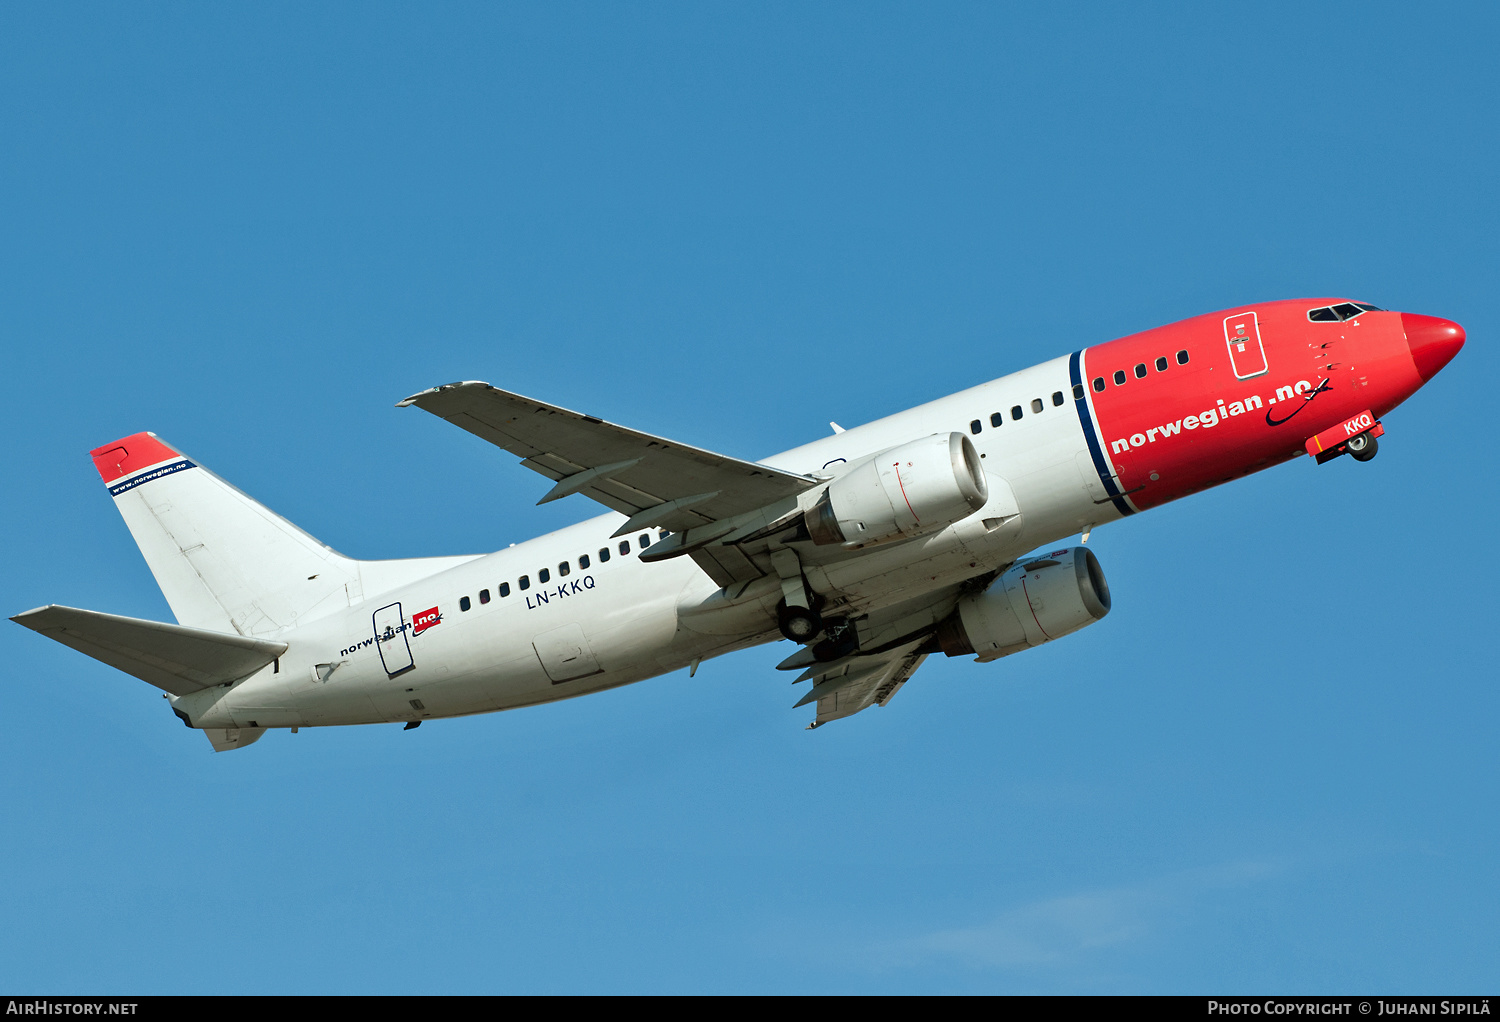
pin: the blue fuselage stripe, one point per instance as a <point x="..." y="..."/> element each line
<point x="1087" y="421"/>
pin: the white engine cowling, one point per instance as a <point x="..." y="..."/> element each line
<point x="1042" y="599"/>
<point x="917" y="488"/>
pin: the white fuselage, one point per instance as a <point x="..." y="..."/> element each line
<point x="622" y="620"/>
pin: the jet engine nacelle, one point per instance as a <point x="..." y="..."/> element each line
<point x="1042" y="599"/>
<point x="917" y="488"/>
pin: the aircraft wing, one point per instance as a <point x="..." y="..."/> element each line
<point x="845" y="687"/>
<point x="657" y="482"/>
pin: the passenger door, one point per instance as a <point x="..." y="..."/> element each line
<point x="390" y="636"/>
<point x="1246" y="352"/>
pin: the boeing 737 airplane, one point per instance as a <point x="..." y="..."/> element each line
<point x="933" y="530"/>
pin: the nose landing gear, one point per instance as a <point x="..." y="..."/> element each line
<point x="1362" y="447"/>
<point x="1356" y="437"/>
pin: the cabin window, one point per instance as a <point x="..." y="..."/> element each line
<point x="1140" y="370"/>
<point x="1015" y="411"/>
<point x="463" y="603"/>
<point x="1119" y="377"/>
<point x="504" y="590"/>
<point x="1182" y="357"/>
<point x="644" y="540"/>
<point x="525" y="582"/>
<point x="624" y="546"/>
<point x="996" y="418"/>
<point x="484" y="596"/>
<point x="603" y="554"/>
<point x="1161" y="364"/>
<point x="1057" y="398"/>
<point x="1036" y="404"/>
<point x="563" y="568"/>
<point x="975" y="427"/>
<point x="1098" y="383"/>
<point x="544" y="576"/>
<point x="583" y="562"/>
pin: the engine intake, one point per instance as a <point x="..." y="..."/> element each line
<point x="1042" y="599"/>
<point x="917" y="488"/>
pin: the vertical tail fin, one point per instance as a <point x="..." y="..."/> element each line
<point x="225" y="562"/>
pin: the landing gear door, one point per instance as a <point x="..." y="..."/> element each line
<point x="390" y="636"/>
<point x="1246" y="353"/>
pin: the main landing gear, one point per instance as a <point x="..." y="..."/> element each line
<point x="797" y="614"/>
<point x="800" y="624"/>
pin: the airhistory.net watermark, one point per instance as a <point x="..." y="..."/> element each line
<point x="43" y="1006"/>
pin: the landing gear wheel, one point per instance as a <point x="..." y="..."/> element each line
<point x="1362" y="447"/>
<point x="798" y="623"/>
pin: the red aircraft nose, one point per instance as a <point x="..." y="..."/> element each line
<point x="1433" y="342"/>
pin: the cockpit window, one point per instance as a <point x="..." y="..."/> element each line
<point x="1342" y="311"/>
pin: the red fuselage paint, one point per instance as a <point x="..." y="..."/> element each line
<point x="1259" y="382"/>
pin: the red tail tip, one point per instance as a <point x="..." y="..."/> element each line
<point x="119" y="459"/>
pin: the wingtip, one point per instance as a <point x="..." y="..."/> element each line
<point x="36" y="619"/>
<point x="441" y="387"/>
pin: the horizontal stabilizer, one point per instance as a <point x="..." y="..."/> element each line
<point x="174" y="658"/>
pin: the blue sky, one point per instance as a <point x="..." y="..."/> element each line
<point x="253" y="228"/>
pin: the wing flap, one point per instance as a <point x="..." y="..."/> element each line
<point x="726" y="565"/>
<point x="174" y="658"/>
<point x="857" y="683"/>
